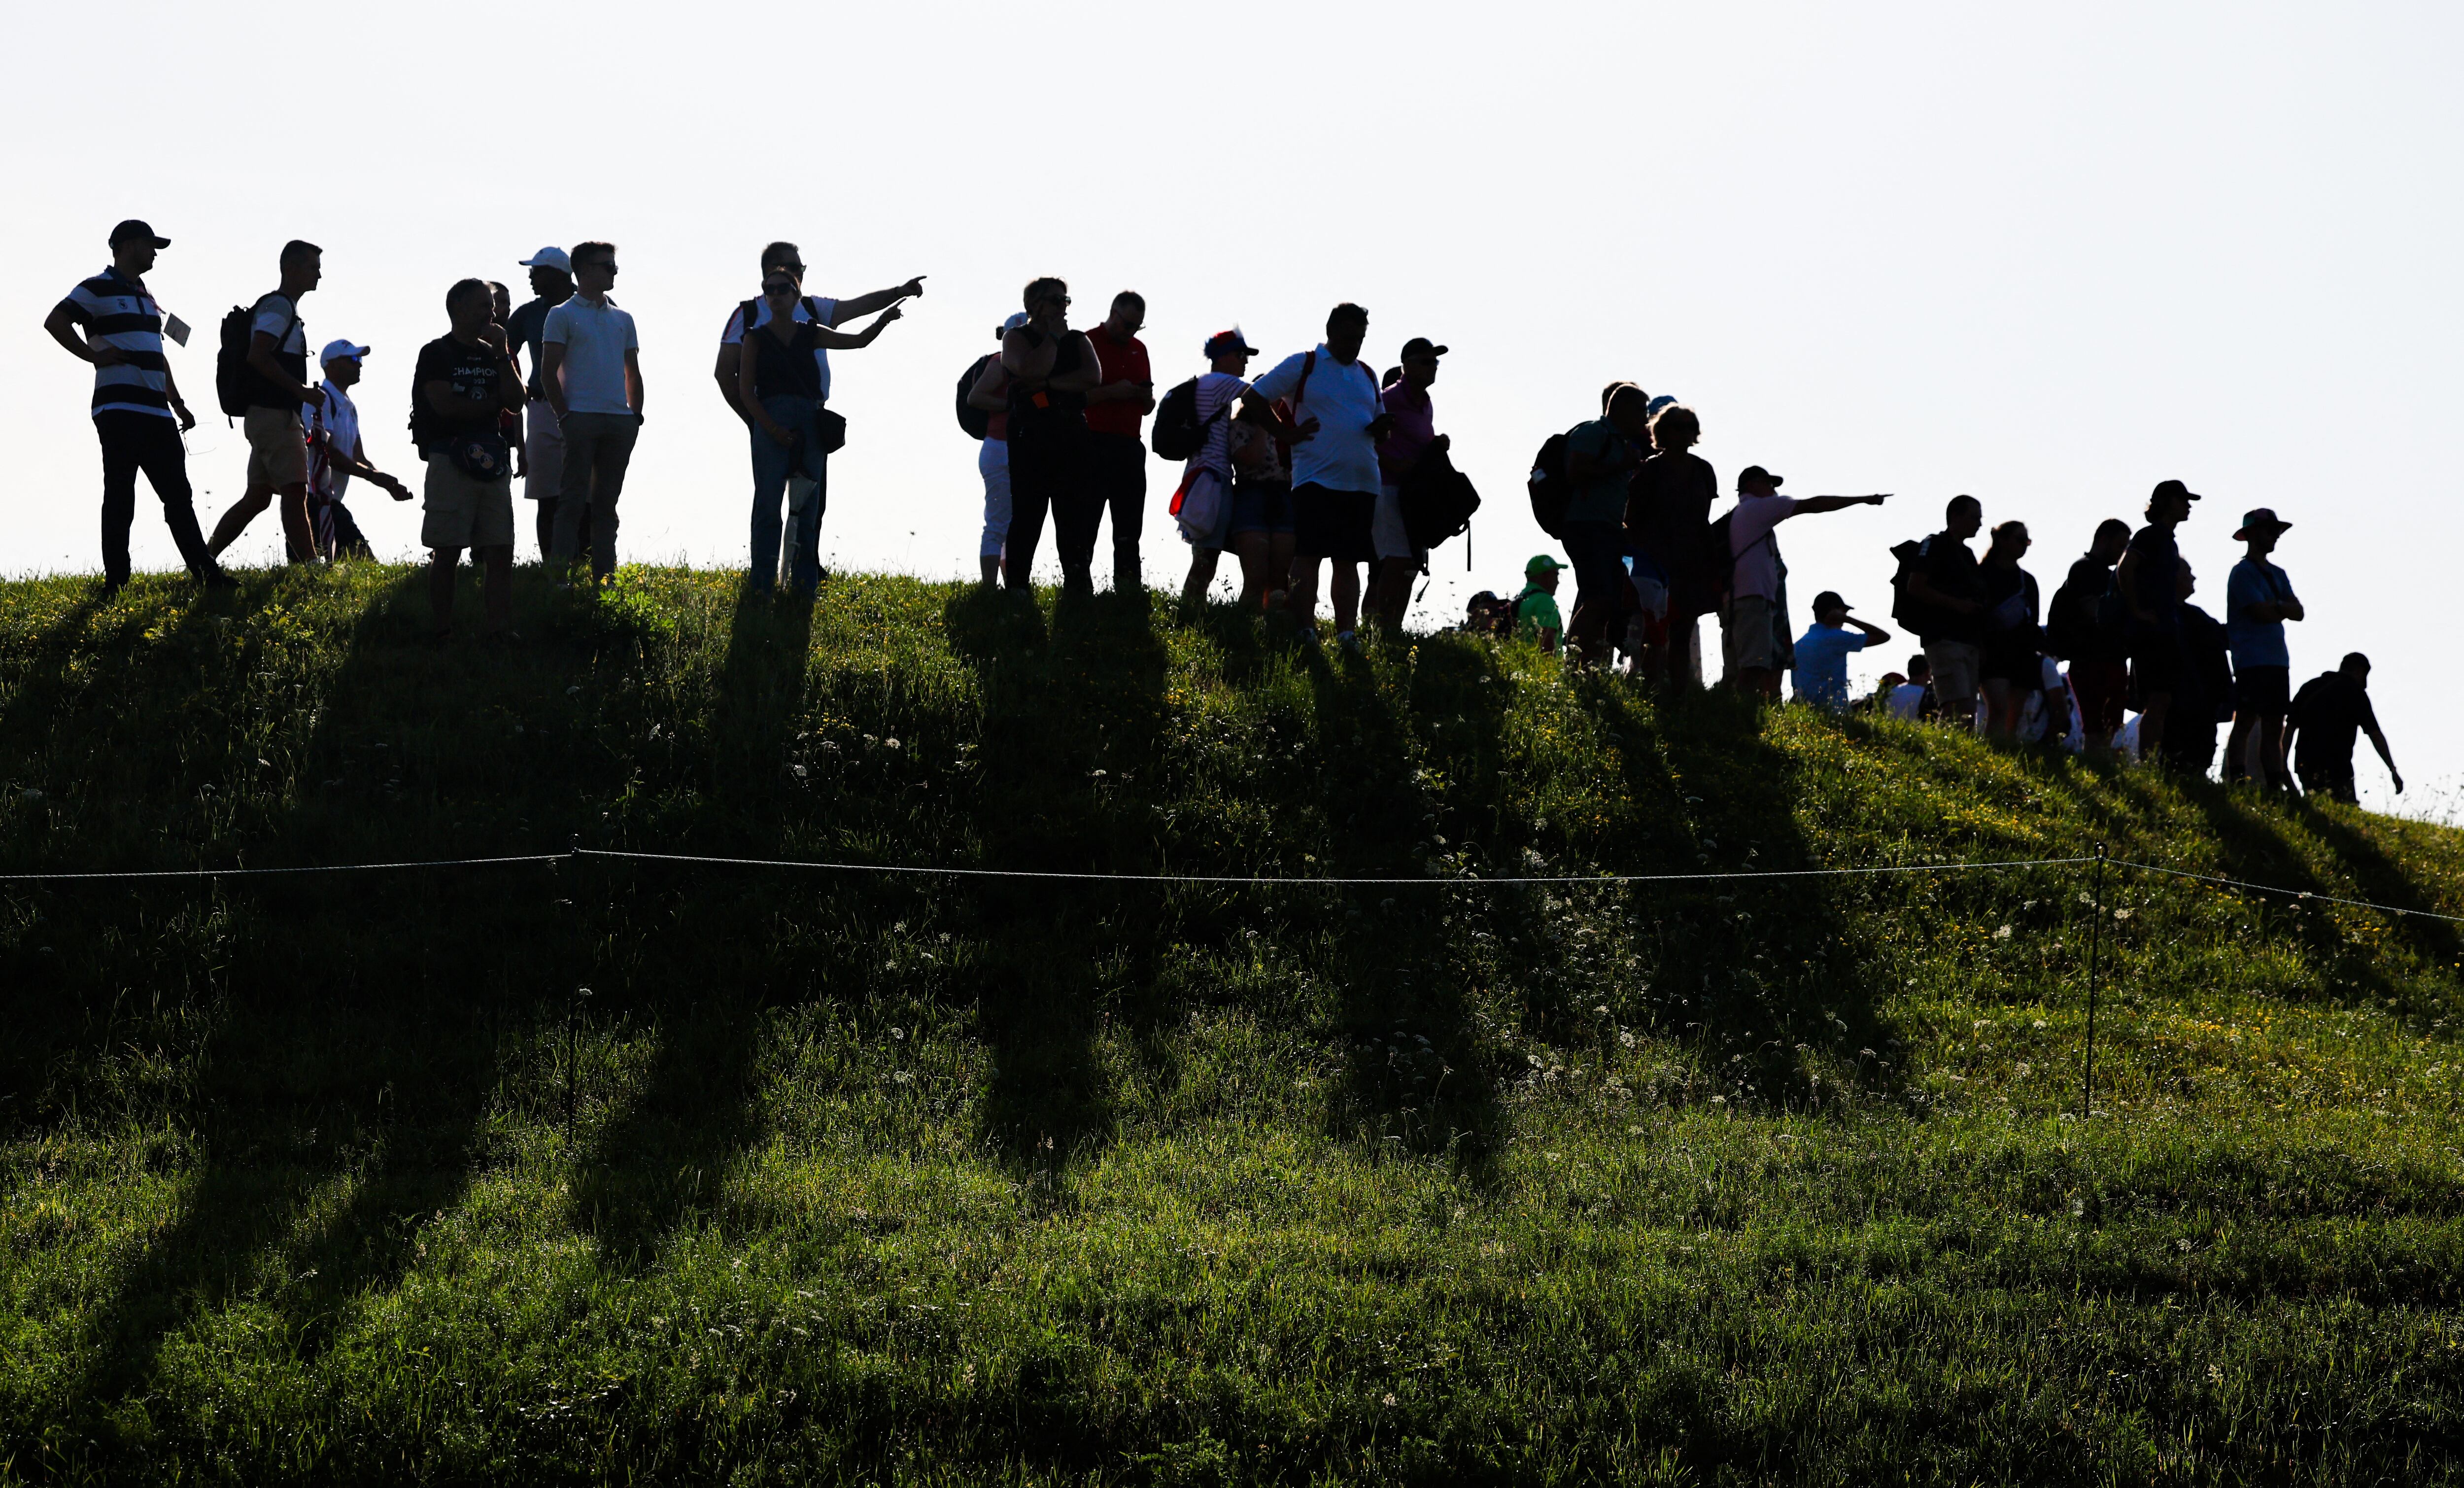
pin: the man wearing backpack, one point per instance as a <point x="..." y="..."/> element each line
<point x="2150" y="578"/>
<point x="2083" y="626"/>
<point x="1333" y="397"/>
<point x="1410" y="438"/>
<point x="1116" y="454"/>
<point x="273" y="387"/>
<point x="1753" y="627"/>
<point x="1601" y="456"/>
<point x="1941" y="598"/>
<point x="989" y="396"/>
<point x="138" y="412"/>
<point x="821" y="310"/>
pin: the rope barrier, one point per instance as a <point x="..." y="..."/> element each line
<point x="2296" y="894"/>
<point x="259" y="873"/>
<point x="1262" y="880"/>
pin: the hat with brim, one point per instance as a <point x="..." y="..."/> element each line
<point x="549" y="259"/>
<point x="1757" y="473"/>
<point x="1231" y="343"/>
<point x="2260" y="519"/>
<point x="1830" y="599"/>
<point x="1540" y="564"/>
<point x="135" y="227"/>
<point x="2166" y="488"/>
<point x="336" y="350"/>
<point x="1421" y="346"/>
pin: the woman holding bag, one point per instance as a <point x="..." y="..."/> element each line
<point x="779" y="384"/>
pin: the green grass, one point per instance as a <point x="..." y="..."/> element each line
<point x="843" y="1177"/>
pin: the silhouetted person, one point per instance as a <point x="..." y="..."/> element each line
<point x="1536" y="616"/>
<point x="1821" y="660"/>
<point x="1052" y="369"/>
<point x="1668" y="521"/>
<point x="1753" y="629"/>
<point x="990" y="396"/>
<point x="2012" y="663"/>
<point x="592" y="375"/>
<point x="2205" y="697"/>
<point x="1945" y="599"/>
<point x="2087" y="625"/>
<point x="278" y="386"/>
<point x="2319" y="730"/>
<point x="1333" y="396"/>
<point x="337" y="452"/>
<point x="2150" y="584"/>
<point x="541" y="462"/>
<point x="463" y="381"/>
<point x="2259" y="599"/>
<point x="1912" y="700"/>
<point x="1601" y="457"/>
<point x="112" y="322"/>
<point x="1411" y="437"/>
<point x="779" y="385"/>
<point x="1116" y="454"/>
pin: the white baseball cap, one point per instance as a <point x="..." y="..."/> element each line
<point x="549" y="259"/>
<point x="336" y="350"/>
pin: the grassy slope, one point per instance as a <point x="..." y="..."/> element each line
<point x="343" y="1178"/>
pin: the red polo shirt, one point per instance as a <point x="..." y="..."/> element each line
<point x="1120" y="360"/>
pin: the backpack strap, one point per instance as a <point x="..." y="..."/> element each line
<point x="748" y="310"/>
<point x="1300" y="391"/>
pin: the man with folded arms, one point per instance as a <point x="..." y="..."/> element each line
<point x="138" y="411"/>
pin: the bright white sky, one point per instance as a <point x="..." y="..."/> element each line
<point x="2046" y="255"/>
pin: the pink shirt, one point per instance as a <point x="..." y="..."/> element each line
<point x="1414" y="428"/>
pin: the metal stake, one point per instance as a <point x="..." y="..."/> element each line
<point x="2095" y="975"/>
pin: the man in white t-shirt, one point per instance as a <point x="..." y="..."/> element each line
<point x="336" y="453"/>
<point x="1334" y="402"/>
<point x="1755" y="623"/>
<point x="590" y="370"/>
<point x="275" y="376"/>
<point x="803" y="508"/>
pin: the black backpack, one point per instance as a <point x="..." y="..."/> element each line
<point x="977" y="422"/>
<point x="1178" y="431"/>
<point x="1437" y="502"/>
<point x="1906" y="609"/>
<point x="237" y="385"/>
<point x="1549" y="486"/>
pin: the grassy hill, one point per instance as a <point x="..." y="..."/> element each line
<point x="606" y="1169"/>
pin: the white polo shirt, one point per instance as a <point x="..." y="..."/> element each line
<point x="337" y="418"/>
<point x="1343" y="401"/>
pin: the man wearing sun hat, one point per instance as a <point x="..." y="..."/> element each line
<point x="2259" y="599"/>
<point x="336" y="453"/>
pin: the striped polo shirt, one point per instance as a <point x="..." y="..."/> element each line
<point x="116" y="311"/>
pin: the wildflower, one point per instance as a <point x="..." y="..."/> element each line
<point x="2002" y="933"/>
<point x="1389" y="1399"/>
<point x="2040" y="1023"/>
<point x="897" y="1032"/>
<point x="2121" y="914"/>
<point x="1626" y="1038"/>
<point x="893" y="744"/>
<point x="2024" y="1068"/>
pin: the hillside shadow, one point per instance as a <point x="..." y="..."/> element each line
<point x="1074" y="715"/>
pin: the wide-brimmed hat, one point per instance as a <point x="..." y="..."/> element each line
<point x="2260" y="519"/>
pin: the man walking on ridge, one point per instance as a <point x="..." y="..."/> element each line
<point x="2150" y="580"/>
<point x="2259" y="599"/>
<point x="1333" y="397"/>
<point x="138" y="412"/>
<point x="1116" y="456"/>
<point x="542" y="452"/>
<point x="592" y="376"/>
<point x="464" y="380"/>
<point x="276" y="374"/>
<point x="2318" y="732"/>
<point x="1945" y="599"/>
<point x="336" y="453"/>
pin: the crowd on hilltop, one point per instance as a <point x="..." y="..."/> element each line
<point x="1318" y="467"/>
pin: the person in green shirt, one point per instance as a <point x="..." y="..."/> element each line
<point x="1535" y="609"/>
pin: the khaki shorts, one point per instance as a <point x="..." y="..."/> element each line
<point x="277" y="447"/>
<point x="463" y="512"/>
<point x="1746" y="634"/>
<point x="1956" y="667"/>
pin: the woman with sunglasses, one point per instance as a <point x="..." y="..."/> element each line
<point x="1050" y="369"/>
<point x="779" y="384"/>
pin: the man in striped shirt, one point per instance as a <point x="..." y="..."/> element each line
<point x="138" y="411"/>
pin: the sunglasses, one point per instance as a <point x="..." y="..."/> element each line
<point x="779" y="287"/>
<point x="1063" y="300"/>
<point x="608" y="264"/>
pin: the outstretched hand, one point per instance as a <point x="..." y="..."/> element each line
<point x="914" y="287"/>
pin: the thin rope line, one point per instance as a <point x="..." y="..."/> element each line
<point x="2298" y="894"/>
<point x="1262" y="880"/>
<point x="255" y="873"/>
